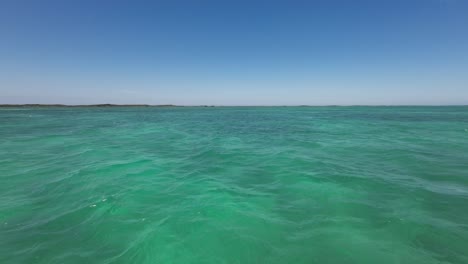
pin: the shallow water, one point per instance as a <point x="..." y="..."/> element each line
<point x="234" y="185"/>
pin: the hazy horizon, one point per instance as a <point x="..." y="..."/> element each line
<point x="236" y="105"/>
<point x="250" y="53"/>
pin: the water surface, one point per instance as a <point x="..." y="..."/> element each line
<point x="234" y="185"/>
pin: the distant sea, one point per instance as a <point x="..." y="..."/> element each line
<point x="234" y="185"/>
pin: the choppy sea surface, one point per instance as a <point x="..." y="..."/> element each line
<point x="234" y="185"/>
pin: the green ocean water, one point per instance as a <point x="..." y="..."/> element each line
<point x="234" y="185"/>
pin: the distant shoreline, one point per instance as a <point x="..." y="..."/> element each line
<point x="90" y="105"/>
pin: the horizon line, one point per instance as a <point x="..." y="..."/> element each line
<point x="203" y="105"/>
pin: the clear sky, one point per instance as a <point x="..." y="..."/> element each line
<point x="234" y="52"/>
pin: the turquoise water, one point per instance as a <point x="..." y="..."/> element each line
<point x="234" y="185"/>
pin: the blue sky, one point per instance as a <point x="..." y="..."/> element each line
<point x="234" y="52"/>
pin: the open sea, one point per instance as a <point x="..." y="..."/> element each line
<point x="234" y="185"/>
